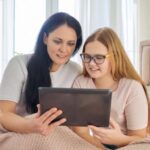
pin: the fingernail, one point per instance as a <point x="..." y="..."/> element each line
<point x="54" y="108"/>
<point x="60" y="111"/>
<point x="90" y="132"/>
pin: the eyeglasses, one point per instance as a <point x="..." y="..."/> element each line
<point x="98" y="59"/>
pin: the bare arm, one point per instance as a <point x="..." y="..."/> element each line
<point x="114" y="136"/>
<point x="133" y="135"/>
<point x="109" y="136"/>
<point x="10" y="120"/>
<point x="39" y="124"/>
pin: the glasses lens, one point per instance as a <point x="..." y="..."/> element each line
<point x="86" y="58"/>
<point x="99" y="59"/>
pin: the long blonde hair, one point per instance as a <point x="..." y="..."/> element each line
<point x="121" y="64"/>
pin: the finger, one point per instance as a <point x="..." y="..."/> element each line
<point x="98" y="130"/>
<point x="99" y="133"/>
<point x="102" y="140"/>
<point x="52" y="126"/>
<point x="98" y="137"/>
<point x="61" y="121"/>
<point x="113" y="123"/>
<point x="53" y="116"/>
<point x="57" y="123"/>
<point x="38" y="112"/>
<point x="90" y="132"/>
<point x="94" y="128"/>
<point x="46" y="115"/>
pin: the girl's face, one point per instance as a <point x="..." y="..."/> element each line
<point x="99" y="66"/>
<point x="60" y="45"/>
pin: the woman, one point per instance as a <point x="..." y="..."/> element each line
<point x="107" y="66"/>
<point x="60" y="37"/>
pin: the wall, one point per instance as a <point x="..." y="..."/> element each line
<point x="144" y="21"/>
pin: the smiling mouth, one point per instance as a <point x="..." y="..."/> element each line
<point x="94" y="69"/>
<point x="61" y="56"/>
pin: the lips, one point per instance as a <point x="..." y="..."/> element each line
<point x="60" y="56"/>
<point x="93" y="69"/>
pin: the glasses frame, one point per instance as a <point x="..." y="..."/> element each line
<point x="94" y="58"/>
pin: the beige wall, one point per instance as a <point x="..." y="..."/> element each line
<point x="144" y="19"/>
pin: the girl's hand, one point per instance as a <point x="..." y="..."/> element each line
<point x="111" y="135"/>
<point x="42" y="124"/>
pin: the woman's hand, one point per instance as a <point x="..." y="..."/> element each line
<point x="42" y="124"/>
<point x="111" y="135"/>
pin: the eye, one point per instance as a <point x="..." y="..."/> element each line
<point x="87" y="56"/>
<point x="71" y="43"/>
<point x="100" y="57"/>
<point x="57" y="41"/>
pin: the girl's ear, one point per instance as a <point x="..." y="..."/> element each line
<point x="45" y="38"/>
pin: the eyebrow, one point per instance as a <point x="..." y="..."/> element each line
<point x="62" y="39"/>
<point x="95" y="54"/>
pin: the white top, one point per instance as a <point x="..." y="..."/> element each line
<point x="129" y="105"/>
<point x="15" y="75"/>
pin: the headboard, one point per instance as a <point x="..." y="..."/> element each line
<point x="145" y="61"/>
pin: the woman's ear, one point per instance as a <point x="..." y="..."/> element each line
<point x="45" y="38"/>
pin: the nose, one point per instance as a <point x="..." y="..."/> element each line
<point x="63" y="48"/>
<point x="92" y="62"/>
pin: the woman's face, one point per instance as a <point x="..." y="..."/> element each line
<point x="60" y="45"/>
<point x="103" y="67"/>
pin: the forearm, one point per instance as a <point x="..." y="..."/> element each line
<point x="126" y="139"/>
<point x="118" y="139"/>
<point x="15" y="123"/>
<point x="132" y="136"/>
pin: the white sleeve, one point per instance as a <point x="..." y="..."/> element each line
<point x="12" y="81"/>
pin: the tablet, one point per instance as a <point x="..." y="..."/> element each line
<point x="81" y="107"/>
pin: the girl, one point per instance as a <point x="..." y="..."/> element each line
<point x="106" y="66"/>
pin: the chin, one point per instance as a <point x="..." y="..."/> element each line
<point x="94" y="76"/>
<point x="62" y="62"/>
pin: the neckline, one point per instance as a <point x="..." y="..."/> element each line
<point x="113" y="91"/>
<point x="56" y="72"/>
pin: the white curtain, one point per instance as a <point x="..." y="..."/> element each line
<point x="129" y="18"/>
<point x="1" y="14"/>
<point x="7" y="33"/>
<point x="124" y="22"/>
<point x="92" y="14"/>
<point x="120" y="15"/>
